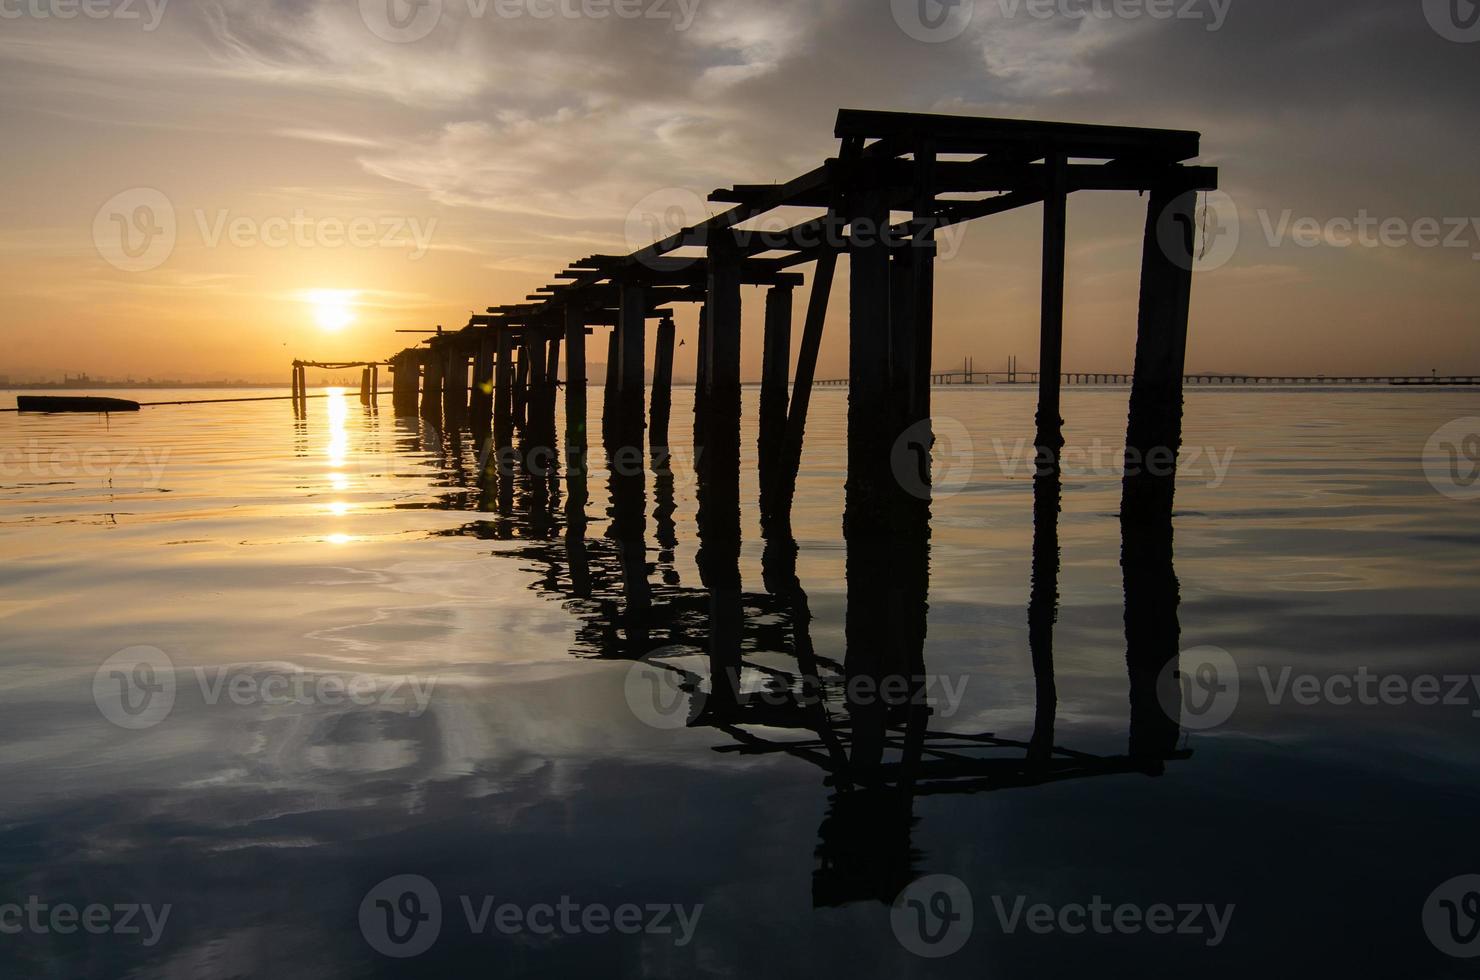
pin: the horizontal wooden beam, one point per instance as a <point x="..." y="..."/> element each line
<point x="970" y="134"/>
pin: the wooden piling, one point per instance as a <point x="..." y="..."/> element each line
<point x="503" y="392"/>
<point x="576" y="439"/>
<point x="806" y="371"/>
<point x="1050" y="422"/>
<point x="431" y="389"/>
<point x="701" y="387"/>
<point x="521" y="384"/>
<point x="775" y="366"/>
<point x="722" y="377"/>
<point x="454" y="388"/>
<point x="297" y="391"/>
<point x="662" y="403"/>
<point x="631" y="359"/>
<point x="609" y="396"/>
<point x="365" y="387"/>
<point x="869" y="413"/>
<point x="1154" y="430"/>
<point x="480" y="396"/>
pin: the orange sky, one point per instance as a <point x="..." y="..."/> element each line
<point x="280" y="168"/>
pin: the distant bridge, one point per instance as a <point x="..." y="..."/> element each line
<point x="962" y="377"/>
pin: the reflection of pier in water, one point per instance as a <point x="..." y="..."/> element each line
<point x="877" y="753"/>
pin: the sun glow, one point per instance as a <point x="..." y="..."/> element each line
<point x="333" y="309"/>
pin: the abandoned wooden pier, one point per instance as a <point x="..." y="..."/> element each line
<point x="499" y="373"/>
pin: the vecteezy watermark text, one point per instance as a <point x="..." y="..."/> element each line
<point x="38" y="918"/>
<point x="148" y="12"/>
<point x="1105" y="919"/>
<point x="405" y="21"/>
<point x="137" y="688"/>
<point x="138" y="229"/>
<point x="63" y="462"/>
<point x="664" y="696"/>
<point x="938" y="21"/>
<point x="1365" y="230"/>
<point x="402" y="917"/>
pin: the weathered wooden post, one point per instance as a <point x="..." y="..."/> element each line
<point x="503" y="395"/>
<point x="375" y="386"/>
<point x="1050" y="422"/>
<point x="1154" y="431"/>
<point x="365" y="387"/>
<point x="722" y="377"/>
<point x="662" y="406"/>
<point x="551" y="437"/>
<point x="431" y="389"/>
<point x="631" y="373"/>
<point x="480" y="396"/>
<point x="521" y="382"/>
<point x="701" y="387"/>
<point x="454" y="387"/>
<point x="609" y="396"/>
<point x="576" y="439"/>
<point x="869" y="432"/>
<point x="801" y="394"/>
<point x="297" y="391"/>
<point x="775" y="366"/>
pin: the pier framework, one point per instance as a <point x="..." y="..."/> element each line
<point x="498" y="374"/>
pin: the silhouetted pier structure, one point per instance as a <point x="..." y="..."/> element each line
<point x="498" y="378"/>
<point x="369" y="380"/>
<point x="499" y="374"/>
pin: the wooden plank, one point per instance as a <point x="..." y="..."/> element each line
<point x="949" y="133"/>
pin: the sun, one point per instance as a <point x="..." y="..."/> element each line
<point x="333" y="309"/>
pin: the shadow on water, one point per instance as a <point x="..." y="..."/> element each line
<point x="864" y="720"/>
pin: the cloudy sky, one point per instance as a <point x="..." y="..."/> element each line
<point x="206" y="188"/>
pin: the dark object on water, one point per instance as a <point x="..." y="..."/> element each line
<point x="62" y="403"/>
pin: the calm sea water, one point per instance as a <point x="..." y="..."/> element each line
<point x="375" y="674"/>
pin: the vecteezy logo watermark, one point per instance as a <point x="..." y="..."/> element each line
<point x="137" y="688"/>
<point x="665" y="696"/>
<point x="1366" y="230"/>
<point x="135" y="230"/>
<point x="138" y="230"/>
<point x="1451" y="460"/>
<point x="62" y="462"/>
<point x="933" y="917"/>
<point x="937" y="21"/>
<point x="404" y="21"/>
<point x="1451" y="917"/>
<point x="1102" y="918"/>
<point x="933" y="21"/>
<point x="402" y="917"/>
<point x="1215" y="231"/>
<point x="302" y="231"/>
<point x="663" y="214"/>
<point x="1199" y="689"/>
<point x="1454" y="20"/>
<point x="933" y="458"/>
<point x="662" y="696"/>
<point x="1370" y="689"/>
<point x="40" y="918"/>
<point x="1110" y="460"/>
<point x="151" y="14"/>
